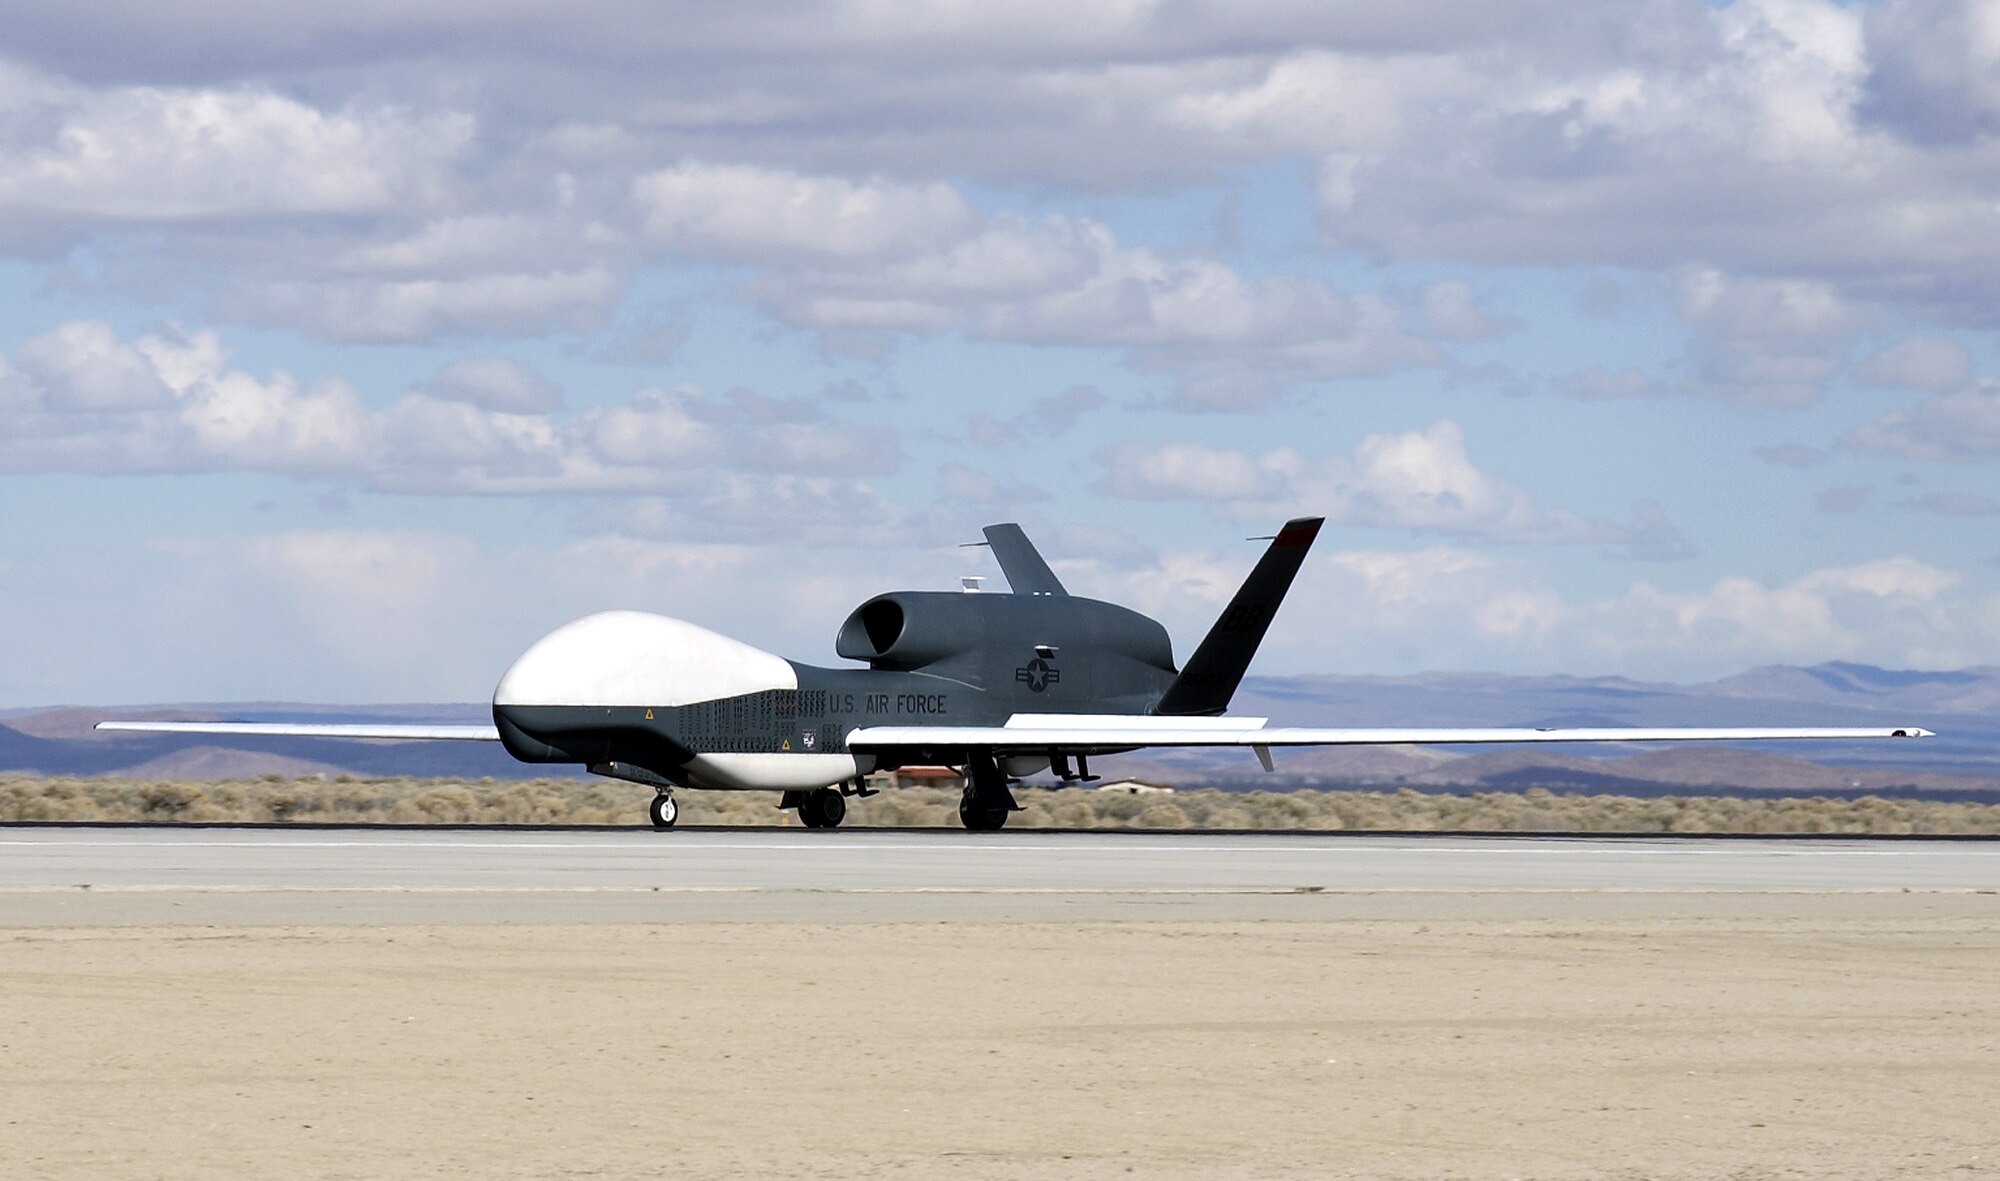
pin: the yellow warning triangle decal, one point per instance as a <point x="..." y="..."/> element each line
<point x="649" y="715"/>
<point x="787" y="746"/>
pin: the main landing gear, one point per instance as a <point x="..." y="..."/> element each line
<point x="986" y="802"/>
<point x="663" y="810"/>
<point x="824" y="808"/>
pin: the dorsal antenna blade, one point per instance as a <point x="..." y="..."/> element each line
<point x="1026" y="573"/>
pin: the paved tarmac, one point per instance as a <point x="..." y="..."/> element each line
<point x="947" y="861"/>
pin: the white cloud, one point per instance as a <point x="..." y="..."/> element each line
<point x="1791" y="139"/>
<point x="1194" y="471"/>
<point x="1449" y="607"/>
<point x="162" y="154"/>
<point x="1762" y="342"/>
<point x="84" y="366"/>
<point x="1897" y="611"/>
<point x="1932" y="363"/>
<point x="518" y="304"/>
<point x="1960" y="426"/>
<point x="751" y="212"/>
<point x="1738" y="137"/>
<point x="209" y="417"/>
<point x="1935" y="73"/>
<point x="1402" y="589"/>
<point x="1421" y="481"/>
<point x="1350" y="610"/>
<point x="1454" y="312"/>
<point x="1316" y="100"/>
<point x="495" y="383"/>
<point x="880" y="256"/>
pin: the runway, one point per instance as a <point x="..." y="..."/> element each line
<point x="945" y="861"/>
<point x="523" y="1004"/>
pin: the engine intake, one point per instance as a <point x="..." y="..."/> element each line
<point x="909" y="630"/>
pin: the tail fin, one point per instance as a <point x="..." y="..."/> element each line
<point x="1210" y="677"/>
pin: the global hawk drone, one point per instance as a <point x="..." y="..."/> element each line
<point x="1001" y="685"/>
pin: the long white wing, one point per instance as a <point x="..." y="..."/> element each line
<point x="475" y="733"/>
<point x="1072" y="732"/>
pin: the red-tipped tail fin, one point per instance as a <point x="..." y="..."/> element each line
<point x="1210" y="677"/>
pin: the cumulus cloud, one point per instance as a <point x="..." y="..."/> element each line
<point x="886" y="257"/>
<point x="153" y="154"/>
<point x="1739" y="136"/>
<point x="86" y="401"/>
<point x="1420" y="481"/>
<point x="1400" y="589"/>
<point x="84" y="366"/>
<point x="1376" y="610"/>
<point x="495" y="383"/>
<point x="1935" y="74"/>
<point x="519" y="304"/>
<point x="1931" y="363"/>
<point x="1453" y="311"/>
<point x="1893" y="610"/>
<point x="1762" y="342"/>
<point x="751" y="212"/>
<point x="1391" y="610"/>
<point x="1790" y="139"/>
<point x="1762" y="141"/>
<point x="1961" y="426"/>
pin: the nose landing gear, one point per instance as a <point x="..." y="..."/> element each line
<point x="663" y="810"/>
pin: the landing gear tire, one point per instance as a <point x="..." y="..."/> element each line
<point x="979" y="819"/>
<point x="824" y="808"/>
<point x="664" y="811"/>
<point x="986" y="801"/>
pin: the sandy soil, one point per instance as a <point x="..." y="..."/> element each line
<point x="1431" y="1036"/>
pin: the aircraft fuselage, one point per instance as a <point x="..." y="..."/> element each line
<point x="641" y="695"/>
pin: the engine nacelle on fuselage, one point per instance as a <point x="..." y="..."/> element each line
<point x="687" y="704"/>
<point x="1107" y="656"/>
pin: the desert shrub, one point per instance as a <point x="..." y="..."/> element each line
<point x="169" y="801"/>
<point x="608" y="802"/>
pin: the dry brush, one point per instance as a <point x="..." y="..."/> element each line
<point x="351" y="800"/>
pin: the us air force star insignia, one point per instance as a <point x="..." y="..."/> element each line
<point x="806" y="739"/>
<point x="1038" y="675"/>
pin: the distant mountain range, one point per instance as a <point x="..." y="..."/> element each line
<point x="1963" y="761"/>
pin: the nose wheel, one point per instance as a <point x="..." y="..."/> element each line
<point x="663" y="810"/>
<point x="824" y="808"/>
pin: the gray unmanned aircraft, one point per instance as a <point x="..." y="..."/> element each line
<point x="1001" y="685"/>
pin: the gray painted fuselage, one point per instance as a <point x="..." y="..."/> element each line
<point x="933" y="659"/>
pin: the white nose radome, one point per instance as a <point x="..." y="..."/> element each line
<point x="635" y="658"/>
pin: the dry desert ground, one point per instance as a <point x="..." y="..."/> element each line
<point x="1580" y="1036"/>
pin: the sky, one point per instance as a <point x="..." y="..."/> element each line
<point x="347" y="348"/>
